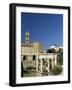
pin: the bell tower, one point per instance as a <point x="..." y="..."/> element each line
<point x="27" y="38"/>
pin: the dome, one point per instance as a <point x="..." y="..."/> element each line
<point x="35" y="43"/>
<point x="52" y="46"/>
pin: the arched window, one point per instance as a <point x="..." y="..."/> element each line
<point x="34" y="57"/>
<point x="43" y="61"/>
<point x="27" y="35"/>
<point x="50" y="64"/>
<point x="24" y="57"/>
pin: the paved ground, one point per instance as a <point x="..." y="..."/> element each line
<point x="35" y="74"/>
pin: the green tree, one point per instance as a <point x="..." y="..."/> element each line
<point x="51" y="50"/>
<point x="57" y="70"/>
<point x="60" y="57"/>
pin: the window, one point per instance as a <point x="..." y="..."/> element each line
<point x="34" y="57"/>
<point x="50" y="64"/>
<point x="27" y="35"/>
<point x="24" y="57"/>
<point x="43" y="61"/>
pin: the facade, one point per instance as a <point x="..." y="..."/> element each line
<point x="34" y="56"/>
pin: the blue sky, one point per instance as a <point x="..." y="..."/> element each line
<point x="44" y="28"/>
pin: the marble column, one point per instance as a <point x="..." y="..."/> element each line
<point x="48" y="65"/>
<point x="41" y="65"/>
<point x="55" y="59"/>
<point x="52" y="60"/>
<point x="21" y="58"/>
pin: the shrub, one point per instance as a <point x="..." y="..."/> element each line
<point x="57" y="70"/>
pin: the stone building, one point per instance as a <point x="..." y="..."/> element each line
<point x="33" y="55"/>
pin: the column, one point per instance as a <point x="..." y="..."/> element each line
<point x="55" y="59"/>
<point x="48" y="65"/>
<point x="21" y="58"/>
<point x="52" y="60"/>
<point x="22" y="62"/>
<point x="41" y="65"/>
